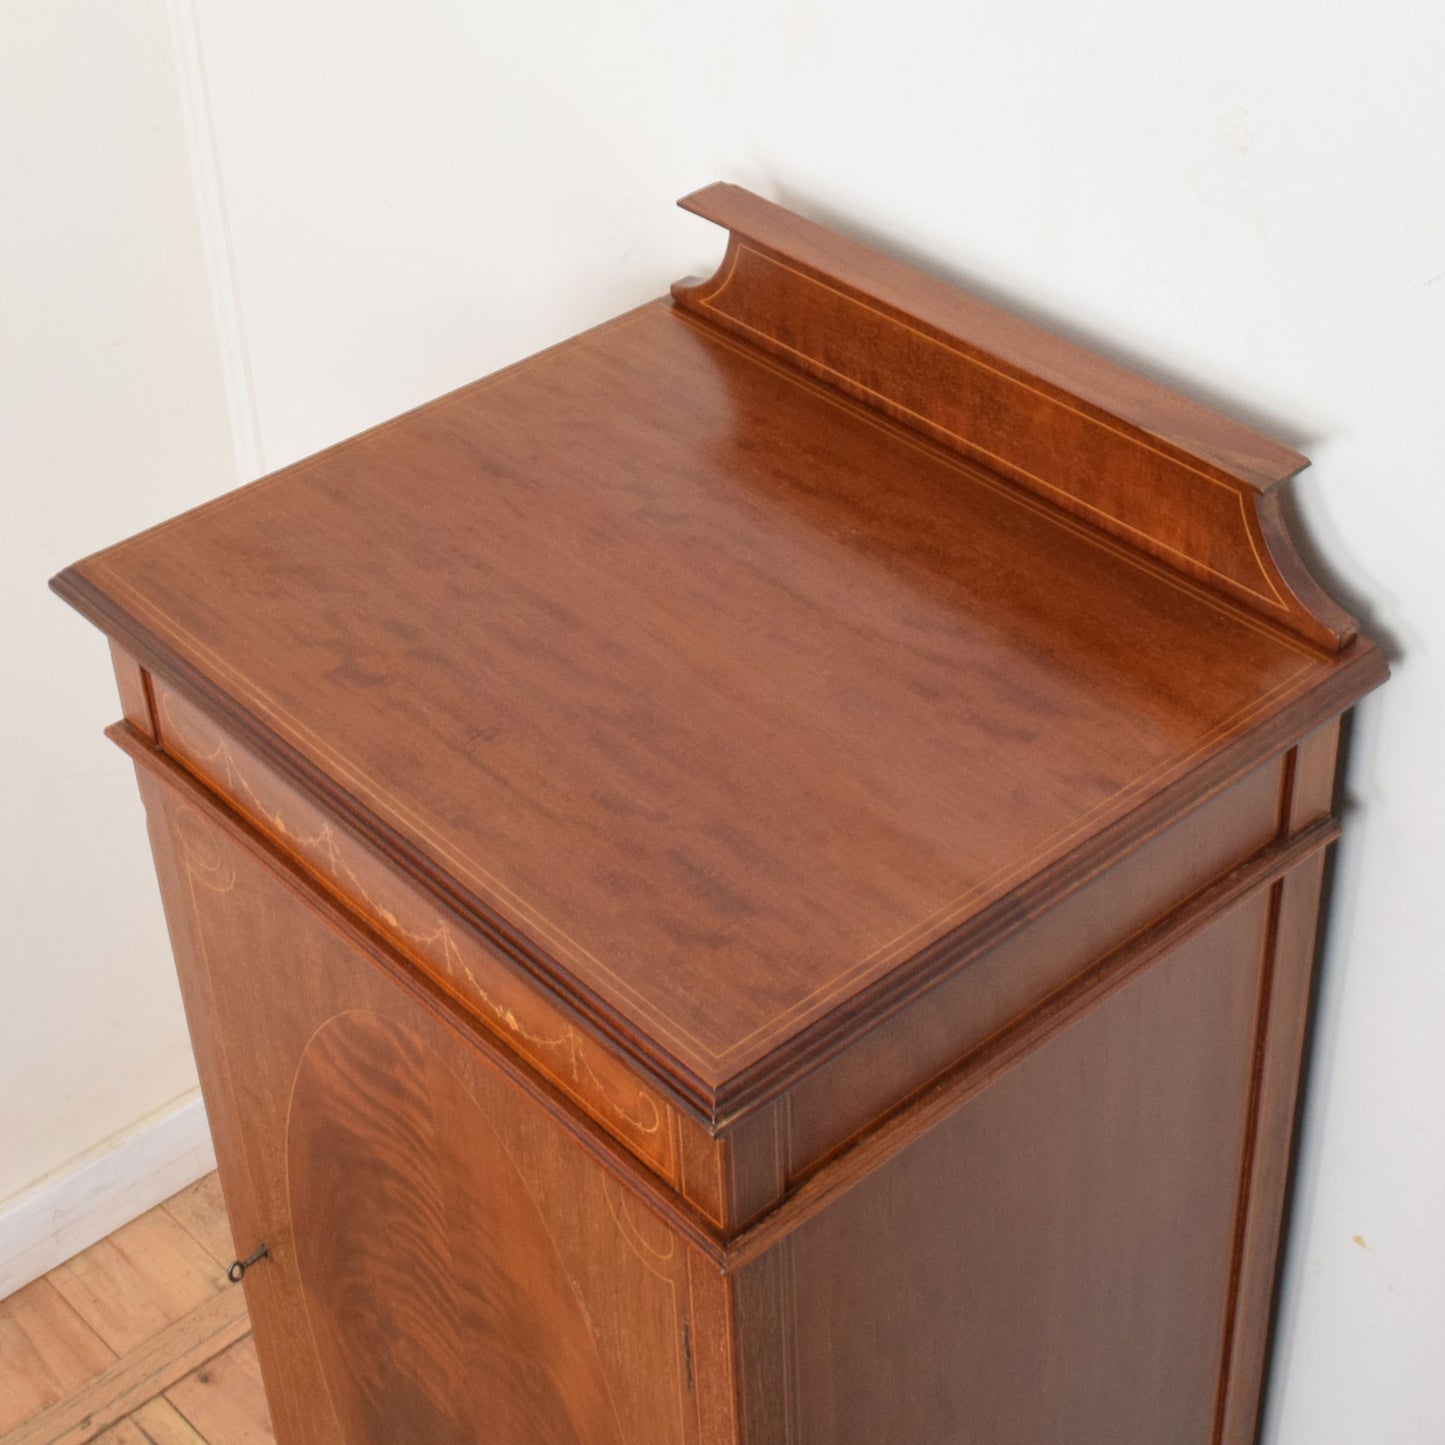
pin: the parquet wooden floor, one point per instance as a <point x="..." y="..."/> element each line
<point x="140" y="1340"/>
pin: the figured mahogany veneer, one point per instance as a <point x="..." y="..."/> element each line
<point x="1184" y="484"/>
<point x="751" y="878"/>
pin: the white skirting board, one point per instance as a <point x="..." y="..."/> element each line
<point x="97" y="1193"/>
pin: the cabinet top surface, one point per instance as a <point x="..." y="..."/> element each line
<point x="724" y="695"/>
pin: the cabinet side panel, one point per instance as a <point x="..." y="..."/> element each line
<point x="133" y="684"/>
<point x="1050" y="1264"/>
<point x="1313" y="791"/>
<point x="442" y="1252"/>
<point x="1270" y="1151"/>
<point x="895" y="1059"/>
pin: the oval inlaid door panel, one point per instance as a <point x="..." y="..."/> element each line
<point x="441" y="1308"/>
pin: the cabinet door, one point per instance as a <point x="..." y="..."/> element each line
<point x="448" y="1262"/>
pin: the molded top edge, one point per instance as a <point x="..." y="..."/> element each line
<point x="1207" y="435"/>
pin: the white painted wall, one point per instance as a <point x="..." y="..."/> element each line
<point x="111" y="417"/>
<point x="1242" y="198"/>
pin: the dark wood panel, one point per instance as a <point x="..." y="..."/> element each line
<point x="731" y="1178"/>
<point x="1269" y="1151"/>
<point x="1044" y="953"/>
<point x="441" y="1308"/>
<point x="435" y="1219"/>
<point x="1048" y="360"/>
<point x="1313" y="790"/>
<point x="134" y="688"/>
<point x="396" y="969"/>
<point x="1050" y="1263"/>
<point x="1184" y="484"/>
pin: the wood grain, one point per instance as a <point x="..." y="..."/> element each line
<point x="498" y="993"/>
<point x="224" y="1403"/>
<point x="145" y="1276"/>
<point x="440" y="1249"/>
<point x="133" y="684"/>
<point x="978" y="1068"/>
<point x="138" y="1376"/>
<point x="1065" y="1234"/>
<point x="1184" y="484"/>
<point x="138" y="1292"/>
<point x="200" y="1209"/>
<point x="1285" y="1013"/>
<point x="165" y="1425"/>
<point x="872" y="688"/>
<point x="126" y="1432"/>
<point x="1007" y="975"/>
<point x="440" y="1305"/>
<point x="1049" y="360"/>
<point x="749" y="880"/>
<point x="46" y="1351"/>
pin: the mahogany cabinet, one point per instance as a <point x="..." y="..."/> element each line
<point x="752" y="878"/>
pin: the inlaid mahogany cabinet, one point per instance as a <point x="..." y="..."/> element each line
<point x="752" y="878"/>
